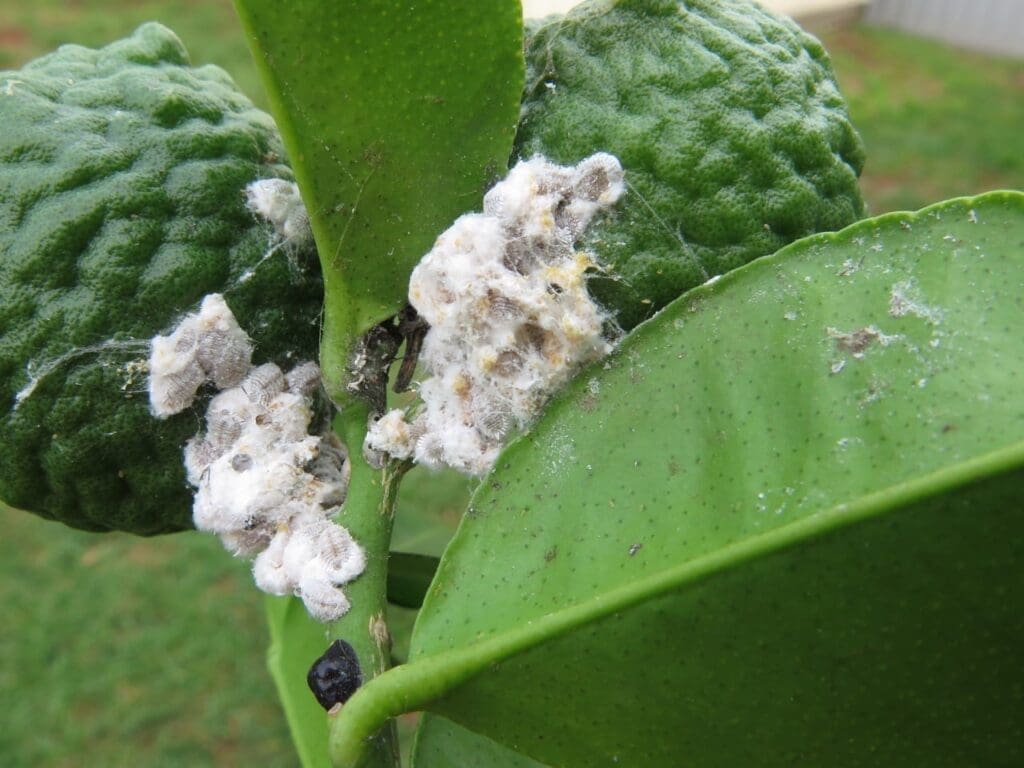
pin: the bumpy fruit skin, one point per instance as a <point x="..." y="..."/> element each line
<point x="122" y="173"/>
<point x="728" y="122"/>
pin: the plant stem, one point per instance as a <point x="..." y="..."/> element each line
<point x="369" y="515"/>
<point x="338" y="335"/>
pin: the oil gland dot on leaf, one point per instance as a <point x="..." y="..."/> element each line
<point x="336" y="675"/>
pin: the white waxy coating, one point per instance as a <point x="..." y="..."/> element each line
<point x="275" y="483"/>
<point x="504" y="292"/>
<point x="265" y="485"/>
<point x="205" y="346"/>
<point x="279" y="202"/>
<point x="268" y="567"/>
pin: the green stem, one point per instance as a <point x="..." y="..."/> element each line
<point x="339" y="334"/>
<point x="369" y="514"/>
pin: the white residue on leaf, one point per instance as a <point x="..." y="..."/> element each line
<point x="559" y="453"/>
<point x="264" y="484"/>
<point x="850" y="266"/>
<point x="858" y="341"/>
<point x="905" y="299"/>
<point x="504" y="292"/>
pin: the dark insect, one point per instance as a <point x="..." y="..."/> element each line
<point x="335" y="676"/>
<point x="414" y="330"/>
<point x="370" y="361"/>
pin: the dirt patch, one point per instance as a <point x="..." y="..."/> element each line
<point x="13" y="37"/>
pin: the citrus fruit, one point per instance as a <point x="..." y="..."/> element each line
<point x="122" y="178"/>
<point x="726" y="118"/>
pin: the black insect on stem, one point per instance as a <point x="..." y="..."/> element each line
<point x="414" y="330"/>
<point x="370" y="362"/>
<point x="336" y="675"/>
<point x="371" y="359"/>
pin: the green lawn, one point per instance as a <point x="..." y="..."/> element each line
<point x="937" y="122"/>
<point x="118" y="651"/>
<point x="122" y="651"/>
<point x="150" y="652"/>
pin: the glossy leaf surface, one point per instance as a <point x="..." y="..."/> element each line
<point x="778" y="526"/>
<point x="440" y="743"/>
<point x="429" y="508"/>
<point x="409" y="577"/>
<point x="396" y="117"/>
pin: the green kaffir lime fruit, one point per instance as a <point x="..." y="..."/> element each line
<point x="728" y="123"/>
<point x="122" y="177"/>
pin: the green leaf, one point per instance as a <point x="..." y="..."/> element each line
<point x="396" y="118"/>
<point x="428" y="511"/>
<point x="409" y="577"/>
<point x="779" y="526"/>
<point x="296" y="641"/>
<point x="440" y="743"/>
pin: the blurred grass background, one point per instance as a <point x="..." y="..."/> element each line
<point x="123" y="651"/>
<point x="120" y="651"/>
<point x="938" y="122"/>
